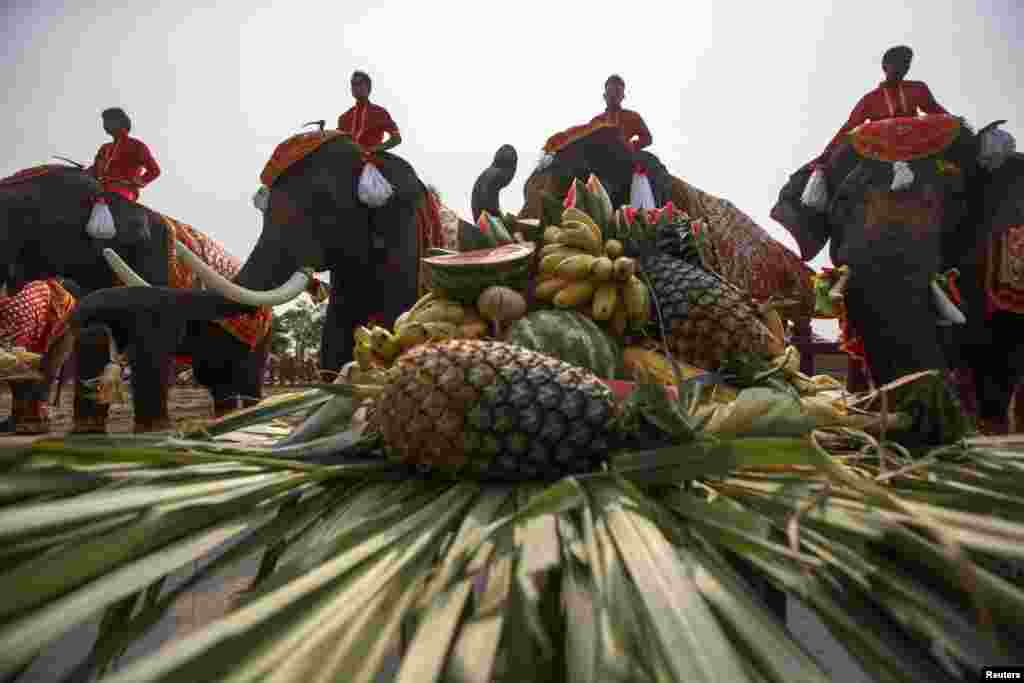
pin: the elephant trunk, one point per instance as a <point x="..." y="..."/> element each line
<point x="492" y="181"/>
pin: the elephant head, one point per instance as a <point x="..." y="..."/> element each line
<point x="896" y="240"/>
<point x="313" y="221"/>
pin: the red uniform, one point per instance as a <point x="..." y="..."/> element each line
<point x="886" y="101"/>
<point x="629" y="122"/>
<point x="367" y="123"/>
<point x="125" y="159"/>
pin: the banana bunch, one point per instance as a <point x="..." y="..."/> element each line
<point x="579" y="269"/>
<point x="432" y="318"/>
<point x="18" y="357"/>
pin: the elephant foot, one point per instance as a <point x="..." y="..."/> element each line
<point x="30" y="416"/>
<point x="145" y="425"/>
<point x="7" y="426"/>
<point x="227" y="406"/>
<point x="994" y="426"/>
<point x="91" y="424"/>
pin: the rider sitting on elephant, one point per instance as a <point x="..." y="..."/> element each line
<point x="123" y="167"/>
<point x="366" y="122"/>
<point x="894" y="97"/>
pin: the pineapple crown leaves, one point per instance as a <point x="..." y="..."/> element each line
<point x="650" y="402"/>
<point x="745" y="370"/>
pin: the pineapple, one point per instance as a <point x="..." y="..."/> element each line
<point x="494" y="410"/>
<point x="706" y="318"/>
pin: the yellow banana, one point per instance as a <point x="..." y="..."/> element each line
<point x="602" y="269"/>
<point x="574" y="214"/>
<point x="623" y="268"/>
<point x="613" y="249"/>
<point x="605" y="299"/>
<point x="439" y="311"/>
<point x="635" y="296"/>
<point x="364" y="356"/>
<point x="549" y="264"/>
<point x="583" y="239"/>
<point x="551" y="248"/>
<point x="383" y="343"/>
<point x="441" y="330"/>
<point x="575" y="294"/>
<point x="411" y="334"/>
<point x="362" y="335"/>
<point x="590" y="227"/>
<point x="552" y="234"/>
<point x="547" y="289"/>
<point x="619" y="319"/>
<point x="575" y="267"/>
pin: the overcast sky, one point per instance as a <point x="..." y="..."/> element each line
<point x="737" y="93"/>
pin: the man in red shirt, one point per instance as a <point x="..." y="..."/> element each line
<point x="125" y="165"/>
<point x="634" y="130"/>
<point x="366" y="122"/>
<point x="892" y="98"/>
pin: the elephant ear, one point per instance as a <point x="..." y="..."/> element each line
<point x="809" y="228"/>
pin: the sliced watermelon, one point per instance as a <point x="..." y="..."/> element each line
<point x="465" y="275"/>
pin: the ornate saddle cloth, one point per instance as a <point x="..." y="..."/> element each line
<point x="26" y="174"/>
<point x="570" y="135"/>
<point x="248" y="328"/>
<point x="905" y="138"/>
<point x="294" y="149"/>
<point x="1004" y="271"/>
<point x="36" y="315"/>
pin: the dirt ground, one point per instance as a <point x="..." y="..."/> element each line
<point x="188" y="404"/>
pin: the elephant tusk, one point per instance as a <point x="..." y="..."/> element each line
<point x="838" y="291"/>
<point x="123" y="270"/>
<point x="902" y="176"/>
<point x="295" y="285"/>
<point x="947" y="309"/>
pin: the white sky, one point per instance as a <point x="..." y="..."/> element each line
<point x="737" y="94"/>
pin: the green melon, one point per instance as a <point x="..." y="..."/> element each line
<point x="464" y="275"/>
<point x="571" y="337"/>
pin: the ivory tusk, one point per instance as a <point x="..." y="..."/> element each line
<point x="295" y="285"/>
<point x="123" y="270"/>
<point x="947" y="309"/>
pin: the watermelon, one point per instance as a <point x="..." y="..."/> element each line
<point x="464" y="275"/>
<point x="493" y="225"/>
<point x="571" y="337"/>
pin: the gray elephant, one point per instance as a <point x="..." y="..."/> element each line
<point x="896" y="239"/>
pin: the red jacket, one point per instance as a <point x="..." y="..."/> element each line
<point x="885" y="102"/>
<point x="125" y="159"/>
<point x="367" y="123"/>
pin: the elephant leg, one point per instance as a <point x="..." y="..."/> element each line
<point x="227" y="367"/>
<point x="150" y="356"/>
<point x="29" y="409"/>
<point x="92" y="355"/>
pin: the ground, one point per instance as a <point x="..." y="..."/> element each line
<point x="187" y="404"/>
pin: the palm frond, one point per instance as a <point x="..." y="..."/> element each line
<point x="640" y="572"/>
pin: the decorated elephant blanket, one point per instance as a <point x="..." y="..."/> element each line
<point x="905" y="138"/>
<point x="26" y="174"/>
<point x="743" y="252"/>
<point x="1004" y="271"/>
<point x="36" y="315"/>
<point x="294" y="149"/>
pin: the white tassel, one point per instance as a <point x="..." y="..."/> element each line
<point x="996" y="147"/>
<point x="838" y="291"/>
<point x="546" y="159"/>
<point x="101" y="222"/>
<point x="640" y="194"/>
<point x="902" y="176"/>
<point x="374" y="189"/>
<point x="947" y="309"/>
<point x="261" y="200"/>
<point x="815" y="195"/>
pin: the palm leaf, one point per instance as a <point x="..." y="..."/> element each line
<point x="637" y="573"/>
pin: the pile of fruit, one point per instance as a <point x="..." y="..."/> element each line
<point x="513" y="366"/>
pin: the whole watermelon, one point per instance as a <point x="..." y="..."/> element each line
<point x="571" y="337"/>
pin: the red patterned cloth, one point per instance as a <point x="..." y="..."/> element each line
<point x="293" y="149"/>
<point x="742" y="252"/>
<point x="629" y="123"/>
<point x="36" y="315"/>
<point x="887" y="101"/>
<point x="125" y="165"/>
<point x="1004" y="271"/>
<point x="30" y="173"/>
<point x="431" y="232"/>
<point x="367" y="123"/>
<point x="905" y="138"/>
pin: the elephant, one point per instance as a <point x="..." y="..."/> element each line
<point x="737" y="249"/>
<point x="895" y="240"/>
<point x="313" y="222"/>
